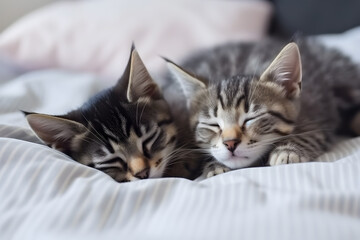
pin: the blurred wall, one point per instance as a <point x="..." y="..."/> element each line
<point x="11" y="10"/>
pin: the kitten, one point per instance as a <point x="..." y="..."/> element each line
<point x="126" y="131"/>
<point x="247" y="107"/>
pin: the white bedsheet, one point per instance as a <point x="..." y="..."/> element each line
<point x="46" y="195"/>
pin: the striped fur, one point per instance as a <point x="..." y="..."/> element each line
<point x="126" y="131"/>
<point x="250" y="111"/>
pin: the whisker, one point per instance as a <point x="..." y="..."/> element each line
<point x="257" y="83"/>
<point x="136" y="112"/>
<point x="89" y="140"/>
<point x="290" y="135"/>
<point x="89" y="123"/>
<point x="142" y="111"/>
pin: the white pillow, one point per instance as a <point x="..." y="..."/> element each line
<point x="96" y="35"/>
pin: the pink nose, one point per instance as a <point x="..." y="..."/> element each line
<point x="231" y="144"/>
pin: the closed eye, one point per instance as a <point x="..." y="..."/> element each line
<point x="205" y="133"/>
<point x="112" y="162"/>
<point x="214" y="125"/>
<point x="207" y="130"/>
<point x="277" y="115"/>
<point x="253" y="118"/>
<point x="210" y="124"/>
<point x="248" y="121"/>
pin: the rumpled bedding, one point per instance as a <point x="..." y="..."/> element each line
<point x="46" y="195"/>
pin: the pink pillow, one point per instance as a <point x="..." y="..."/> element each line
<point x="96" y="36"/>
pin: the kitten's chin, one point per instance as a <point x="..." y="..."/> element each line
<point x="235" y="162"/>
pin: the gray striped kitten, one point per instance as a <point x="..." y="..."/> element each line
<point x="255" y="104"/>
<point x="126" y="131"/>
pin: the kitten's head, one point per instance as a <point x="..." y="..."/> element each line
<point x="126" y="131"/>
<point x="238" y="119"/>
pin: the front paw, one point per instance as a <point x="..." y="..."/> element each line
<point x="214" y="168"/>
<point x="285" y="155"/>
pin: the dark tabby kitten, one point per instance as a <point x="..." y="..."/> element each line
<point x="126" y="131"/>
<point x="246" y="104"/>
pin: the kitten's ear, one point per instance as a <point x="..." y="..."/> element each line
<point x="140" y="82"/>
<point x="136" y="81"/>
<point x="189" y="83"/>
<point x="55" y="131"/>
<point x="285" y="70"/>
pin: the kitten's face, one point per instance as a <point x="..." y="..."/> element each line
<point x="237" y="120"/>
<point x="129" y="142"/>
<point x="238" y="127"/>
<point x="125" y="131"/>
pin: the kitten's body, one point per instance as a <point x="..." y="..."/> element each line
<point x="329" y="95"/>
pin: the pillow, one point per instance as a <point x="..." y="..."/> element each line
<point x="96" y="35"/>
<point x="347" y="43"/>
<point x="315" y="17"/>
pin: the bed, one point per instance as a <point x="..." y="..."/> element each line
<point x="44" y="194"/>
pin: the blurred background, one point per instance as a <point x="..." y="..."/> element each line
<point x="314" y="16"/>
<point x="11" y="10"/>
<point x="307" y="16"/>
<point x="93" y="36"/>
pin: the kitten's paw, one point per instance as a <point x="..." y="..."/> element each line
<point x="285" y="155"/>
<point x="215" y="168"/>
